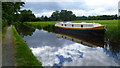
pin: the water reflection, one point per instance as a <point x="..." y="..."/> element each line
<point x="25" y="30"/>
<point x="95" y="41"/>
<point x="68" y="50"/>
<point x="53" y="51"/>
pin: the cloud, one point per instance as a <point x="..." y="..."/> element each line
<point x="94" y="12"/>
<point x="79" y="7"/>
<point x="47" y="13"/>
<point x="51" y="0"/>
<point x="119" y="8"/>
<point x="37" y="7"/>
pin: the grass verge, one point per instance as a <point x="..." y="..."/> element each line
<point x="42" y="24"/>
<point x="111" y="28"/>
<point x="24" y="56"/>
<point x="4" y="31"/>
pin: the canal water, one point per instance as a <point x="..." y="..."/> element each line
<point x="59" y="49"/>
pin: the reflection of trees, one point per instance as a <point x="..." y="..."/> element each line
<point x="115" y="47"/>
<point x="113" y="50"/>
<point x="49" y="28"/>
<point x="25" y="30"/>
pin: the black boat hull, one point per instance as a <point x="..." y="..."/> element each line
<point x="99" y="32"/>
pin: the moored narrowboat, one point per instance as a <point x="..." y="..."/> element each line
<point x="83" y="27"/>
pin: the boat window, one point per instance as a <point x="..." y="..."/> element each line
<point x="72" y="25"/>
<point x="61" y="24"/>
<point x="65" y="24"/>
<point x="81" y="25"/>
<point x="72" y="39"/>
<point x="81" y="42"/>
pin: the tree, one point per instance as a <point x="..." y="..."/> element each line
<point x="63" y="15"/>
<point x="101" y="17"/>
<point x="46" y="18"/>
<point x="42" y="18"/>
<point x="81" y="18"/>
<point x="37" y="19"/>
<point x="55" y="16"/>
<point x="26" y="16"/>
<point x="9" y="9"/>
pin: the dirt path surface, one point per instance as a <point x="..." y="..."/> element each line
<point x="8" y="49"/>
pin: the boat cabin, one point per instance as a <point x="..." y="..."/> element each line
<point x="77" y="25"/>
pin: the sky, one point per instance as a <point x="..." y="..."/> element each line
<point x="78" y="7"/>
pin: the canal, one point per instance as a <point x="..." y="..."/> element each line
<point x="65" y="49"/>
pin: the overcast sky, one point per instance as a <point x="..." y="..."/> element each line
<point x="78" y="7"/>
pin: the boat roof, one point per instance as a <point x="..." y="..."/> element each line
<point x="76" y="23"/>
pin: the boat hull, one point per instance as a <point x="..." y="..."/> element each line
<point x="94" y="32"/>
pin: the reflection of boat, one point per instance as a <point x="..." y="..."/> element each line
<point x="83" y="27"/>
<point x="92" y="43"/>
<point x="86" y="39"/>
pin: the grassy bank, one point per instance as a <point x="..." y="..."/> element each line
<point x="42" y="24"/>
<point x="111" y="28"/>
<point x="24" y="56"/>
<point x="111" y="25"/>
<point x="4" y="31"/>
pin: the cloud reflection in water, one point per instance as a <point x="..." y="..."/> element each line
<point x="52" y="51"/>
<point x="73" y="54"/>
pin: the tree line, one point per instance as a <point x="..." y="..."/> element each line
<point x="12" y="14"/>
<point x="71" y="17"/>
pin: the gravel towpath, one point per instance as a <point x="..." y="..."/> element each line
<point x="8" y="49"/>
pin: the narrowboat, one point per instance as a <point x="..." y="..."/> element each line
<point x="83" y="27"/>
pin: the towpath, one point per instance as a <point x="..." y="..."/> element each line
<point x="8" y="49"/>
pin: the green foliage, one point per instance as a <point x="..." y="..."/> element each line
<point x="46" y="18"/>
<point x="42" y="18"/>
<point x="81" y="18"/>
<point x="119" y="18"/>
<point x="25" y="30"/>
<point x="111" y="28"/>
<point x="64" y="15"/>
<point x="42" y="23"/>
<point x="26" y="16"/>
<point x="4" y="22"/>
<point x="9" y="9"/>
<point x="55" y="16"/>
<point x="4" y="31"/>
<point x="24" y="56"/>
<point x="101" y="17"/>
